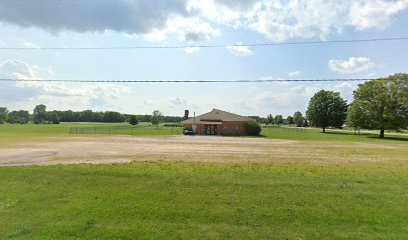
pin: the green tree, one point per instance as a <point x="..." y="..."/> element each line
<point x="110" y="116"/>
<point x="252" y="128"/>
<point x="157" y="117"/>
<point x="54" y="118"/>
<point x="381" y="104"/>
<point x="19" y="117"/>
<point x="327" y="109"/>
<point x="269" y="119"/>
<point x="298" y="119"/>
<point x="278" y="119"/>
<point x="3" y="114"/>
<point x="133" y="120"/>
<point x="40" y="113"/>
<point x="305" y="123"/>
<point x="290" y="120"/>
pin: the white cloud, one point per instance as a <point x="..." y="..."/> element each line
<point x="192" y="20"/>
<point x="155" y="36"/>
<point x="375" y="13"/>
<point x="282" y="20"/>
<point x="191" y="49"/>
<point x="352" y="65"/>
<point x="177" y="102"/>
<point x="57" y="95"/>
<point x="192" y="29"/>
<point x="187" y="29"/>
<point x="30" y="45"/>
<point x="295" y="74"/>
<point x="127" y="16"/>
<point x="242" y="51"/>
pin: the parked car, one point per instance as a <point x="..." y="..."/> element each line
<point x="188" y="131"/>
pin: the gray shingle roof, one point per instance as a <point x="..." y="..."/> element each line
<point x="217" y="115"/>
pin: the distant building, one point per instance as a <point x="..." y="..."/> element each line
<point x="216" y="122"/>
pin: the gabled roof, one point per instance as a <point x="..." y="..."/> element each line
<point x="216" y="116"/>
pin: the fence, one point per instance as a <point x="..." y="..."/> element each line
<point x="127" y="130"/>
<point x="284" y="129"/>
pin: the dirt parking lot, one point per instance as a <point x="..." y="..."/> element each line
<point x="125" y="149"/>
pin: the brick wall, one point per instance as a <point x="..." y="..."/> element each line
<point x="233" y="128"/>
<point x="226" y="128"/>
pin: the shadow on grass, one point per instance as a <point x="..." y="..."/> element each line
<point x="370" y="135"/>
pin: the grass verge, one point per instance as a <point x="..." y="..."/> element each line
<point x="168" y="200"/>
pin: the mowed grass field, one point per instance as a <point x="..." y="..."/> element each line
<point x="12" y="133"/>
<point x="156" y="199"/>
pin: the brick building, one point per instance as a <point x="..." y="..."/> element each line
<point x="216" y="122"/>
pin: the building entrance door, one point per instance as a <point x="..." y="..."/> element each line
<point x="210" y="129"/>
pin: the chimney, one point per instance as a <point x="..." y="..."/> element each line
<point x="186" y="114"/>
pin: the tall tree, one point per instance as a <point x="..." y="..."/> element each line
<point x="157" y="117"/>
<point x="133" y="120"/>
<point x="40" y="113"/>
<point x="381" y="104"/>
<point x="290" y="121"/>
<point x="54" y="118"/>
<point x="298" y="119"/>
<point x="269" y="119"/>
<point x="19" y="117"/>
<point x="3" y="114"/>
<point x="327" y="109"/>
<point x="278" y="119"/>
<point x="111" y="116"/>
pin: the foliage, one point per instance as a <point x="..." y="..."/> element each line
<point x="111" y="116"/>
<point x="298" y="119"/>
<point x="269" y="119"/>
<point x="19" y="117"/>
<point x="381" y="104"/>
<point x="305" y="123"/>
<point x="54" y="118"/>
<point x="252" y="128"/>
<point x="157" y="117"/>
<point x="278" y="119"/>
<point x="3" y="115"/>
<point x="40" y="114"/>
<point x="327" y="109"/>
<point x="133" y="120"/>
<point x="148" y="118"/>
<point x="258" y="119"/>
<point x="289" y="120"/>
<point x="172" y="125"/>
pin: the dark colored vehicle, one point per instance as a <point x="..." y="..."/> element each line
<point x="188" y="131"/>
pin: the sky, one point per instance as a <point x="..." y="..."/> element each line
<point x="115" y="23"/>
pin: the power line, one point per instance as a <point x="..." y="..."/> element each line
<point x="191" y="81"/>
<point x="210" y="46"/>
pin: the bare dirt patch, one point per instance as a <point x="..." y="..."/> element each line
<point x="105" y="149"/>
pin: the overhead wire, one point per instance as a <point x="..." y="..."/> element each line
<point x="210" y="45"/>
<point x="192" y="81"/>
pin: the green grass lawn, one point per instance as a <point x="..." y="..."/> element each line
<point x="182" y="200"/>
<point x="31" y="132"/>
<point x="161" y="200"/>
<point x="312" y="134"/>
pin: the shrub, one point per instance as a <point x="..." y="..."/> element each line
<point x="173" y="125"/>
<point x="252" y="128"/>
<point x="133" y="120"/>
<point x="54" y="118"/>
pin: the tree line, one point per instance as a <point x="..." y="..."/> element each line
<point x="380" y="104"/>
<point x="41" y="115"/>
